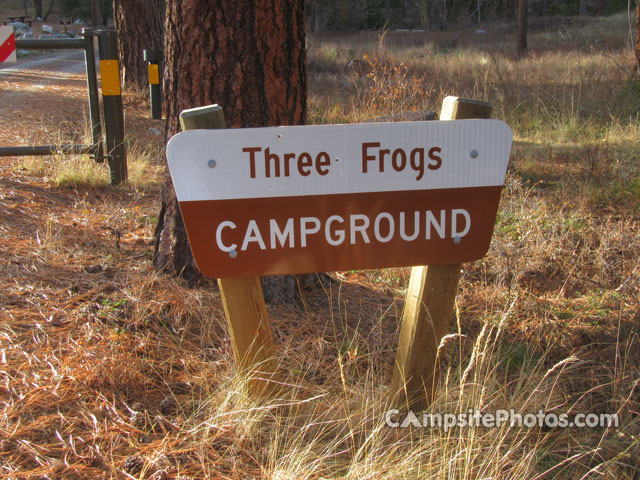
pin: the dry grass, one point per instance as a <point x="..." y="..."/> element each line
<point x="108" y="370"/>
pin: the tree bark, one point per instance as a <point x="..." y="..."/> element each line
<point x="96" y="18"/>
<point x="438" y="13"/>
<point x="405" y="13"/>
<point x="37" y="4"/>
<point x="637" y="49"/>
<point x="140" y="26"/>
<point x="433" y="12"/>
<point x="583" y="8"/>
<point x="511" y="9"/>
<point x="46" y="15"/>
<point x="544" y="7"/>
<point x="523" y="20"/>
<point x="387" y="13"/>
<point x="247" y="56"/>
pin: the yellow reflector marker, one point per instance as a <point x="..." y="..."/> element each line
<point x="154" y="75"/>
<point x="110" y="74"/>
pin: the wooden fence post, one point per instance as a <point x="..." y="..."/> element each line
<point x="428" y="306"/>
<point x="242" y="298"/>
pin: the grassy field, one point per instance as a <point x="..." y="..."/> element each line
<point x="108" y="370"/>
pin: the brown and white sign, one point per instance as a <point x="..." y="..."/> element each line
<point x="266" y="201"/>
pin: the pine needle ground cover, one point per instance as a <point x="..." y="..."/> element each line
<point x="108" y="370"/>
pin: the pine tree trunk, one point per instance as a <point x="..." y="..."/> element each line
<point x="387" y="13"/>
<point x="405" y="13"/>
<point x="140" y="25"/>
<point x="355" y="16"/>
<point x="37" y="4"/>
<point x="637" y="49"/>
<point x="583" y="8"/>
<point x="247" y="56"/>
<point x="545" y="7"/>
<point x="438" y="13"/>
<point x="523" y="20"/>
<point x="511" y="9"/>
<point x="433" y="12"/>
<point x="48" y="12"/>
<point x="96" y="18"/>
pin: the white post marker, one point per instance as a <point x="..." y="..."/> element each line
<point x="270" y="201"/>
<point x="7" y="44"/>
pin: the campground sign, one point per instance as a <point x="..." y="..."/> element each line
<point x="267" y="201"/>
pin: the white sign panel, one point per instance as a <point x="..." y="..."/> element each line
<point x="335" y="159"/>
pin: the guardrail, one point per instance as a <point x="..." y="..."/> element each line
<point x="112" y="100"/>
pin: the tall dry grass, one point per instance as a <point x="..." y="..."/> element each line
<point x="576" y="85"/>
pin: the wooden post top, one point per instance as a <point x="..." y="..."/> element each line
<point x="208" y="117"/>
<point x="457" y="108"/>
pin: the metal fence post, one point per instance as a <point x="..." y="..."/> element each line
<point x="154" y="57"/>
<point x="112" y="102"/>
<point x="92" y="87"/>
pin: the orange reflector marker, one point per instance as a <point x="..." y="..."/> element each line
<point x="110" y="75"/>
<point x="154" y="75"/>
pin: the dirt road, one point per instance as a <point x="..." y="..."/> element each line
<point x="43" y="99"/>
<point x="68" y="62"/>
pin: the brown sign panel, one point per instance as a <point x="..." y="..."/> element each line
<point x="237" y="238"/>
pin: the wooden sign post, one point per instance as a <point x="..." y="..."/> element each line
<point x="429" y="305"/>
<point x="302" y="199"/>
<point x="242" y="298"/>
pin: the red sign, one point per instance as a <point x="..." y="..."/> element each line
<point x="7" y="44"/>
<point x="308" y="199"/>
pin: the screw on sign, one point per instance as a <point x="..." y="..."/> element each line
<point x="7" y="44"/>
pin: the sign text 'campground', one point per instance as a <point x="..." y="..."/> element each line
<point x="277" y="200"/>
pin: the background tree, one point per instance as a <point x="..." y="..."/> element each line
<point x="523" y="25"/>
<point x="544" y="6"/>
<point x="583" y="8"/>
<point x="96" y="16"/>
<point x="37" y="5"/>
<point x="349" y="15"/>
<point x="140" y="26"/>
<point x="637" y="47"/>
<point x="82" y="9"/>
<point x="247" y="56"/>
